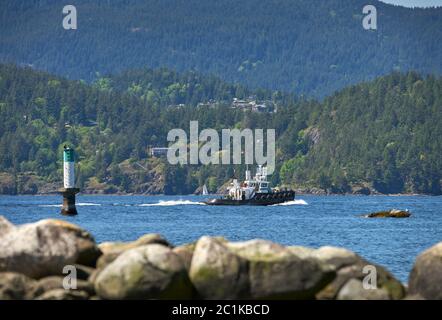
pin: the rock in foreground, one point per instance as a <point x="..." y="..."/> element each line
<point x="148" y="272"/>
<point x="426" y="276"/>
<point x="45" y="247"/>
<point x="32" y="257"/>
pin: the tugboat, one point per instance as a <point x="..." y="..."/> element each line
<point x="253" y="192"/>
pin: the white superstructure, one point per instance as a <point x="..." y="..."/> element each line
<point x="250" y="187"/>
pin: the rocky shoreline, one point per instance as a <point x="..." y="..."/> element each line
<point x="38" y="260"/>
<point x="31" y="184"/>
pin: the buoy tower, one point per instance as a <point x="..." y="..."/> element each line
<point x="69" y="189"/>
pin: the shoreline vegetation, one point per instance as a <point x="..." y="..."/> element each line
<point x="217" y="195"/>
<point x="382" y="133"/>
<point x="33" y="257"/>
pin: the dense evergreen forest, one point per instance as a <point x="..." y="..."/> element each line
<point x="379" y="136"/>
<point x="304" y="47"/>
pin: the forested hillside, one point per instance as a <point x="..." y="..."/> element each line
<point x="306" y="47"/>
<point x="379" y="136"/>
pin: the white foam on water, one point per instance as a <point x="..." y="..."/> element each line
<point x="86" y="204"/>
<point x="80" y="204"/>
<point x="171" y="203"/>
<point x="292" y="203"/>
<point x="117" y="204"/>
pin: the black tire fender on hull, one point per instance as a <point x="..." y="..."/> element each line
<point x="260" y="199"/>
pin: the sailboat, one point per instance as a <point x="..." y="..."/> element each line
<point x="205" y="191"/>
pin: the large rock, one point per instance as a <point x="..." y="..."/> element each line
<point x="394" y="213"/>
<point x="45" y="247"/>
<point x="353" y="289"/>
<point x="15" y="286"/>
<point x="337" y="257"/>
<point x="426" y="276"/>
<point x="148" y="272"/>
<point x="277" y="272"/>
<point x="216" y="272"/>
<point x="185" y="252"/>
<point x="349" y="266"/>
<point x="256" y="269"/>
<point x="47" y="284"/>
<point x="111" y="250"/>
<point x="61" y="294"/>
<point x="119" y="247"/>
<point x="5" y="226"/>
<point x="302" y="252"/>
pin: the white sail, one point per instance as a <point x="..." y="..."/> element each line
<point x="205" y="191"/>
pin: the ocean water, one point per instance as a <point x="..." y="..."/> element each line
<point x="309" y="221"/>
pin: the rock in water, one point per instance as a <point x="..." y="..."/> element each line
<point x="44" y="248"/>
<point x="148" y="272"/>
<point x="216" y="272"/>
<point x="394" y="213"/>
<point x="426" y="275"/>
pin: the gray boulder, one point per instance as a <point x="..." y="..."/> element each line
<point x="216" y="272"/>
<point x="120" y="247"/>
<point x="61" y="294"/>
<point x="148" y="272"/>
<point x="348" y="266"/>
<point x="111" y="250"/>
<point x="256" y="269"/>
<point x="277" y="272"/>
<point x="185" y="252"/>
<point x="47" y="284"/>
<point x="353" y="289"/>
<point x="45" y="247"/>
<point x="426" y="276"/>
<point x="5" y="225"/>
<point x="15" y="286"/>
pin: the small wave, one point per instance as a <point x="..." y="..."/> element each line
<point x="293" y="202"/>
<point x="171" y="203"/>
<point x="121" y="205"/>
<point x="86" y="204"/>
<point x="80" y="204"/>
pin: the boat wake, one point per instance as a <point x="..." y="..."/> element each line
<point x="80" y="204"/>
<point x="87" y="204"/>
<point x="171" y="203"/>
<point x="292" y="203"/>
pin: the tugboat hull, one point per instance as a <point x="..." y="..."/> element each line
<point x="258" y="200"/>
